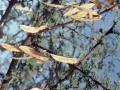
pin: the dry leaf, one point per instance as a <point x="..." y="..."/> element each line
<point x="92" y="13"/>
<point x="88" y="15"/>
<point x="54" y="5"/>
<point x="97" y="3"/>
<point x="79" y="15"/>
<point x="35" y="89"/>
<point x="19" y="7"/>
<point x="71" y="11"/>
<point x="70" y="3"/>
<point x="18" y="58"/>
<point x="30" y="29"/>
<point x="86" y="19"/>
<point x="65" y="59"/>
<point x="10" y="47"/>
<point x="111" y="2"/>
<point x="30" y="51"/>
<point x="85" y="6"/>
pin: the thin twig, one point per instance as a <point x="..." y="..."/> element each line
<point x="11" y="4"/>
<point x="93" y="79"/>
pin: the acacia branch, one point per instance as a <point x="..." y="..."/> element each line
<point x="63" y="78"/>
<point x="108" y="9"/>
<point x="81" y="71"/>
<point x="12" y="2"/>
<point x="90" y="77"/>
<point x="75" y="67"/>
<point x="98" y="43"/>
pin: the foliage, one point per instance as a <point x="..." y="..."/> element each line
<point x="56" y="44"/>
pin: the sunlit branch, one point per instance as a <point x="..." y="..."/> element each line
<point x="98" y="43"/>
<point x="94" y="47"/>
